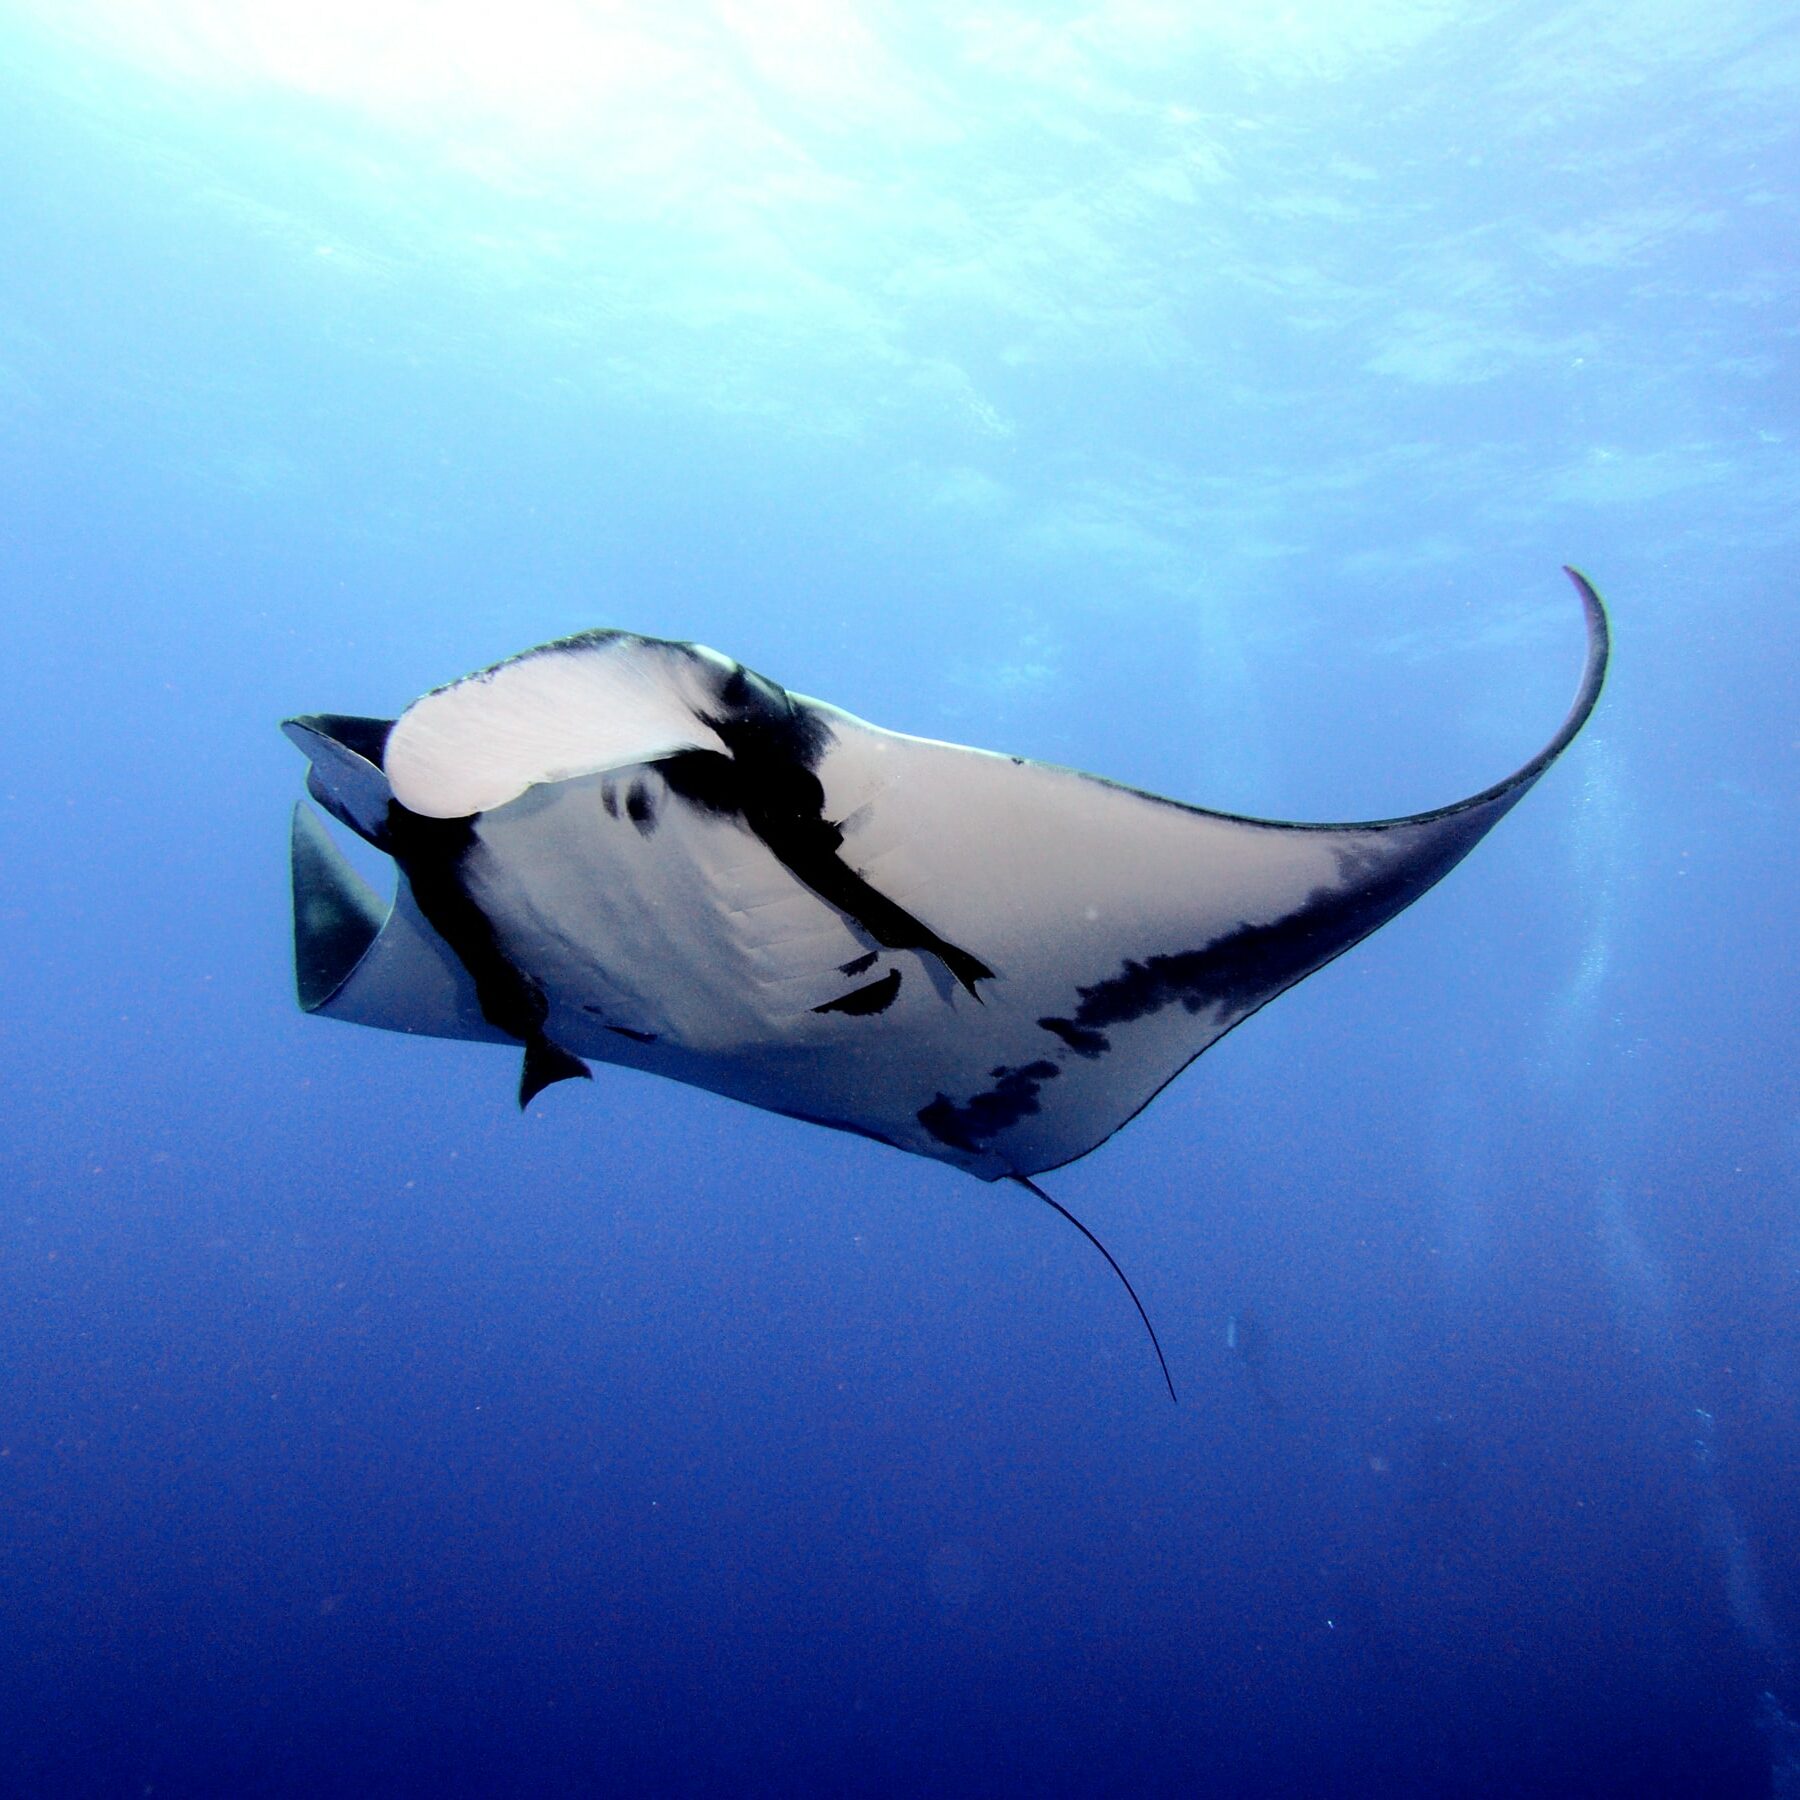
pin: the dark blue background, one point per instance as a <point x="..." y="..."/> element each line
<point x="360" y="1437"/>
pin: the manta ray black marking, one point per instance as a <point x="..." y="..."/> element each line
<point x="634" y="851"/>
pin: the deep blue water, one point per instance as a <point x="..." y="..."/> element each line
<point x="1201" y="396"/>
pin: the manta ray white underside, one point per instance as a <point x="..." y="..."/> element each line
<point x="634" y="851"/>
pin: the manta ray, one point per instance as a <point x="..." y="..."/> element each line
<point x="624" y="849"/>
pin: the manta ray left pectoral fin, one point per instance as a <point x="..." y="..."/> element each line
<point x="546" y="1064"/>
<point x="1132" y="932"/>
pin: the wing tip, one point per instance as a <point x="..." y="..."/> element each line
<point x="1593" y="674"/>
<point x="1502" y="794"/>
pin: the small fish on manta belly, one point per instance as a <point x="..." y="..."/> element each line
<point x="623" y="849"/>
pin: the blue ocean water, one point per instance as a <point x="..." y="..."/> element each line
<point x="1205" y="396"/>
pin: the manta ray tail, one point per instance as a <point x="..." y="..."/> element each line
<point x="1031" y="1187"/>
